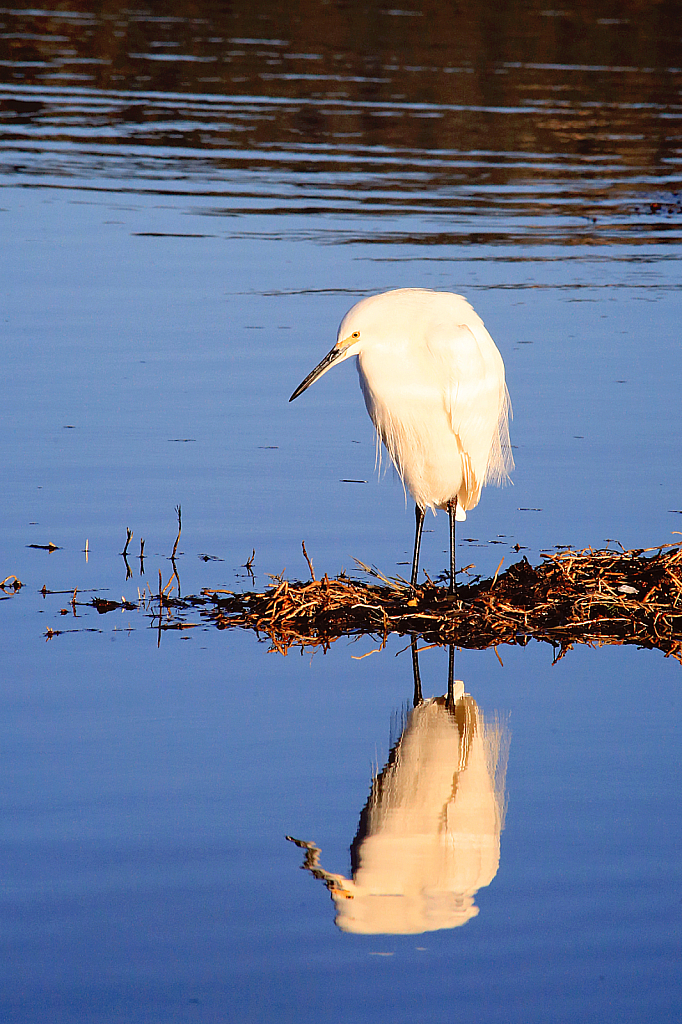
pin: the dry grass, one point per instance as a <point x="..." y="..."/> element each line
<point x="591" y="597"/>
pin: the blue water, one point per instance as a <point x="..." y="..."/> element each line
<point x="150" y="794"/>
<point x="180" y="240"/>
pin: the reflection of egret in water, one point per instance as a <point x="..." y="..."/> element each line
<point x="429" y="835"/>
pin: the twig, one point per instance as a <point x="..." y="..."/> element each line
<point x="310" y="564"/>
<point x="16" y="585"/>
<point x="178" y="509"/>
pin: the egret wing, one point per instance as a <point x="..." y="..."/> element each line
<point x="475" y="398"/>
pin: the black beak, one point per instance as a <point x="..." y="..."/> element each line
<point x="326" y="364"/>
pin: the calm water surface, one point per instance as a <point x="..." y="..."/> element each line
<point x="191" y="199"/>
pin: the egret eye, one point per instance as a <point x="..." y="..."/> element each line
<point x="355" y="334"/>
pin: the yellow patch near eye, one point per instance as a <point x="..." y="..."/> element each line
<point x="345" y="342"/>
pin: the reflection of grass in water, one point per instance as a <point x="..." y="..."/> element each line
<point x="588" y="596"/>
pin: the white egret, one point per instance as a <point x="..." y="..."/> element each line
<point x="434" y="387"/>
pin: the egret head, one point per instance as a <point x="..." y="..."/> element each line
<point x="403" y="312"/>
<point x="347" y="345"/>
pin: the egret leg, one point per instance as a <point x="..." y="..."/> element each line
<point x="452" y="510"/>
<point x="419" y="516"/>
<point x="450" y="702"/>
<point x="418" y="699"/>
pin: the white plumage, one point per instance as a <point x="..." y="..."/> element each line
<point x="429" y="836"/>
<point x="434" y="387"/>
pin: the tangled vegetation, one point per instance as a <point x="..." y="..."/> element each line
<point x="591" y="597"/>
<point x="574" y="597"/>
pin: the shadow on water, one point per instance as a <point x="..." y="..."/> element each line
<point x="429" y="834"/>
